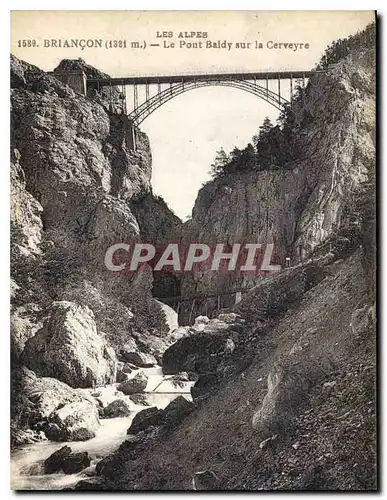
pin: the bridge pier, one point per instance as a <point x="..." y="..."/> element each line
<point x="130" y="135"/>
<point x="122" y="131"/>
<point x="134" y="139"/>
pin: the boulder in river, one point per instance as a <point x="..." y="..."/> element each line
<point x="145" y="419"/>
<point x="139" y="358"/>
<point x="168" y="418"/>
<point x="117" y="408"/>
<point x="91" y="484"/>
<point x="66" y="461"/>
<point x="124" y="370"/>
<point x="134" y="385"/>
<point x="203" y="350"/>
<point x="204" y="385"/>
<point x="75" y="421"/>
<point x="121" y="376"/>
<point x="54" y="463"/>
<point x="76" y="462"/>
<point x="69" y="348"/>
<point x="27" y="436"/>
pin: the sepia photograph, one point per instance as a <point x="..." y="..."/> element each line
<point x="193" y="250"/>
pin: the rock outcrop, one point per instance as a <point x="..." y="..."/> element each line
<point x="70" y="348"/>
<point x="48" y="405"/>
<point x="288" y="387"/>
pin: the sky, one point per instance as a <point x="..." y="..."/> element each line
<point x="186" y="132"/>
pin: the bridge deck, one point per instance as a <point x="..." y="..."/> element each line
<point x="148" y="80"/>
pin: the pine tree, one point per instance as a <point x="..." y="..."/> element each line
<point x="221" y="160"/>
<point x="265" y="127"/>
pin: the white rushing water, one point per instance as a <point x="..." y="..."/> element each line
<point x="27" y="471"/>
<point x="27" y="462"/>
<point x="170" y="316"/>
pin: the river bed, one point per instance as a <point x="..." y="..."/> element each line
<point x="27" y="462"/>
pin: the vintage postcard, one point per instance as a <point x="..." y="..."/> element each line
<point x="193" y="250"/>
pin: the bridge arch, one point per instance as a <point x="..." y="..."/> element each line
<point x="153" y="103"/>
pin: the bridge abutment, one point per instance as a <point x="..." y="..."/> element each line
<point x="76" y="79"/>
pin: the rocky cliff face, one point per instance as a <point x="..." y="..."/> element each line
<point x="160" y="226"/>
<point x="74" y="174"/>
<point x="300" y="206"/>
